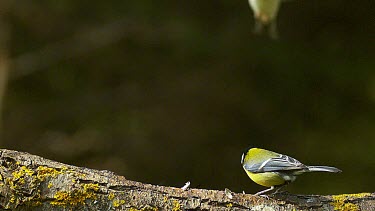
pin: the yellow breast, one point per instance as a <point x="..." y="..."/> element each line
<point x="266" y="179"/>
<point x="265" y="10"/>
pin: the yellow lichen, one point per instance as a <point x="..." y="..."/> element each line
<point x="44" y="172"/>
<point x="117" y="203"/>
<point x="22" y="172"/>
<point x="23" y="175"/>
<point x="61" y="195"/>
<point x="229" y="205"/>
<point x="76" y="197"/>
<point x="149" y="208"/>
<point x="176" y="205"/>
<point x="341" y="203"/>
<point x="165" y="199"/>
<point x="64" y="198"/>
<point x="34" y="201"/>
<point x="111" y="196"/>
<point x="10" y="182"/>
<point x="12" y="199"/>
<point x="91" y="186"/>
<point x="19" y="177"/>
<point x="21" y="181"/>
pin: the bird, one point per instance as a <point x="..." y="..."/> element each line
<point x="274" y="170"/>
<point x="265" y="13"/>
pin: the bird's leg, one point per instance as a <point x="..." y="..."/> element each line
<point x="265" y="191"/>
<point x="272" y="30"/>
<point x="278" y="189"/>
<point x="258" y="27"/>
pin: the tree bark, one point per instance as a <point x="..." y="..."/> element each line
<point x="30" y="182"/>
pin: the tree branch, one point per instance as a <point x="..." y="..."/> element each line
<point x="29" y="182"/>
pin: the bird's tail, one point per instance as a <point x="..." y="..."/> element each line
<point x="324" y="168"/>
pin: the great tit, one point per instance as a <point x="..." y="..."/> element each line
<point x="274" y="170"/>
<point x="265" y="13"/>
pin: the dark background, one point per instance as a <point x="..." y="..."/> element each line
<point x="166" y="92"/>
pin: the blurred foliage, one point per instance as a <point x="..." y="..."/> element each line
<point x="180" y="89"/>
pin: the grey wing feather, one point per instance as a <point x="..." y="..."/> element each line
<point x="281" y="163"/>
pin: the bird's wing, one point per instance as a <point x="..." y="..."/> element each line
<point x="280" y="163"/>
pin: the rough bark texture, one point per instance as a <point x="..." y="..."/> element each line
<point x="29" y="182"/>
